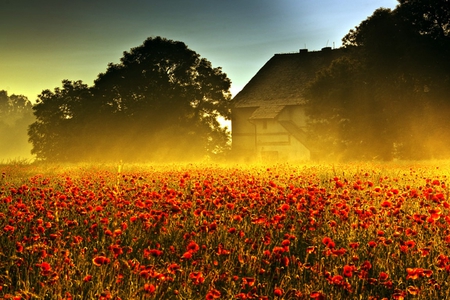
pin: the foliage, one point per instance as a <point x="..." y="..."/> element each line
<point x="200" y="231"/>
<point x="160" y="102"/>
<point x="388" y="95"/>
<point x="15" y="116"/>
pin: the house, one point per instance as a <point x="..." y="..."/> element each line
<point x="268" y="115"/>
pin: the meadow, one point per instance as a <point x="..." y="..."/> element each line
<point x="348" y="231"/>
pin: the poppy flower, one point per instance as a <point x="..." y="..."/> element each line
<point x="250" y="281"/>
<point x="285" y="261"/>
<point x="213" y="294"/>
<point x="415" y="273"/>
<point x="100" y="260"/>
<point x="328" y="242"/>
<point x="383" y="276"/>
<point x="372" y="244"/>
<point x="192" y="247"/>
<point x="149" y="288"/>
<point x="19" y="247"/>
<point x="366" y="265"/>
<point x="353" y="245"/>
<point x="278" y="292"/>
<point x="348" y="270"/>
<point x="197" y="277"/>
<point x="410" y="244"/>
<point x="46" y="268"/>
<point x="310" y="249"/>
<point x="9" y="228"/>
<point x="285" y="207"/>
<point x="317" y="296"/>
<point x="412" y="290"/>
<point x="222" y="251"/>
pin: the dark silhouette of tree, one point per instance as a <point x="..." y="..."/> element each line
<point x="160" y="102"/>
<point x="428" y="17"/>
<point x="58" y="134"/>
<point x="388" y="96"/>
<point x="15" y="115"/>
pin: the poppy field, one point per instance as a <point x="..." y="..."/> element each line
<point x="355" y="231"/>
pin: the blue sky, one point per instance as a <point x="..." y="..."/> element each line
<point x="43" y="42"/>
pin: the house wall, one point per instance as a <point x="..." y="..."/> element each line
<point x="243" y="134"/>
<point x="275" y="143"/>
<point x="267" y="139"/>
<point x="295" y="114"/>
<point x="293" y="152"/>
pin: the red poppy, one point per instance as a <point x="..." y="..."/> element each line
<point x="354" y="245"/>
<point x="310" y="249"/>
<point x="193" y="247"/>
<point x="328" y="242"/>
<point x="285" y="207"/>
<point x="278" y="292"/>
<point x="317" y="295"/>
<point x="8" y="228"/>
<point x="336" y="279"/>
<point x="222" y="251"/>
<point x="386" y="204"/>
<point x="285" y="261"/>
<point x="410" y="244"/>
<point x="366" y="265"/>
<point x="412" y="290"/>
<point x="173" y="268"/>
<point x="250" y="281"/>
<point x="383" y="276"/>
<point x="348" y="270"/>
<point x="372" y="244"/>
<point x="100" y="260"/>
<point x="19" y="247"/>
<point x="414" y="273"/>
<point x="197" y="277"/>
<point x="213" y="294"/>
<point x="285" y="243"/>
<point x="149" y="288"/>
<point x="45" y="267"/>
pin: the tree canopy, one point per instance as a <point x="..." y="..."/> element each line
<point x="388" y="96"/>
<point x="160" y="102"/>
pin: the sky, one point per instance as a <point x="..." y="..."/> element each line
<point x="43" y="42"/>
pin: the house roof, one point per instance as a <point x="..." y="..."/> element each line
<point x="282" y="80"/>
<point x="266" y="112"/>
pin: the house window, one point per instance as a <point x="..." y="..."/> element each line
<point x="264" y="124"/>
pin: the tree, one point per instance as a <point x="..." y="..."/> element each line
<point x="428" y="17"/>
<point x="61" y="123"/>
<point x="395" y="88"/>
<point x="161" y="101"/>
<point x="15" y="116"/>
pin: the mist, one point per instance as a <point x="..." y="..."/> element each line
<point x="15" y="117"/>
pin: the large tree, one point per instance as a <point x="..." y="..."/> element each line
<point x="161" y="101"/>
<point x="15" y="116"/>
<point x="389" y="95"/>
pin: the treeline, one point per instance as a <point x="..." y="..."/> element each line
<point x="388" y="96"/>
